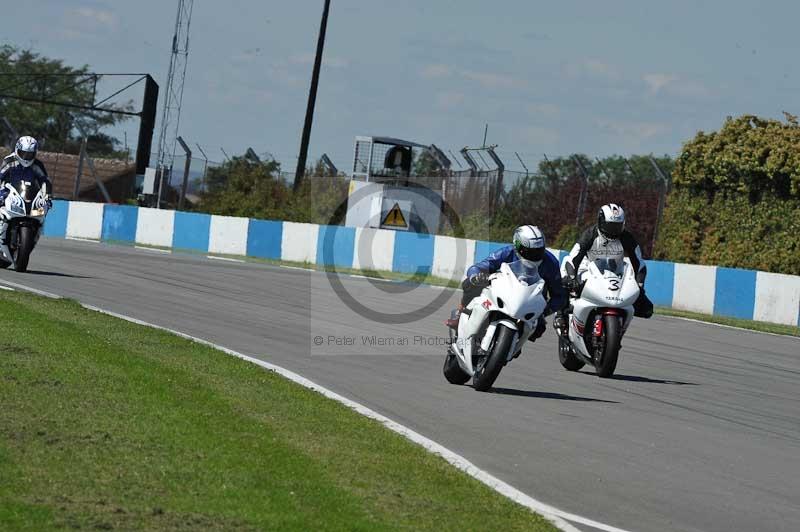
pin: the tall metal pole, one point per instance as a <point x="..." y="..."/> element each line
<point x="187" y="165"/>
<point x="312" y="100"/>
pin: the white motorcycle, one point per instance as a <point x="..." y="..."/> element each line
<point x="494" y="325"/>
<point x="600" y="315"/>
<point x="22" y="217"/>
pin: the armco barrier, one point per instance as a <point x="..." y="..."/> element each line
<point x="708" y="289"/>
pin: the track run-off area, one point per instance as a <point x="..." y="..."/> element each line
<point x="699" y="431"/>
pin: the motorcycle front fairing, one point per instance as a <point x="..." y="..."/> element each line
<point x="515" y="296"/>
<point x="606" y="286"/>
<point x="25" y="201"/>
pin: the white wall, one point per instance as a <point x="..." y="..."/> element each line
<point x="154" y="227"/>
<point x="299" y="242"/>
<point x="228" y="235"/>
<point x="85" y="220"/>
<point x="374" y="249"/>
<point x="694" y="288"/>
<point x="777" y="298"/>
<point x="445" y="257"/>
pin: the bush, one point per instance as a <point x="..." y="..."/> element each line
<point x="729" y="229"/>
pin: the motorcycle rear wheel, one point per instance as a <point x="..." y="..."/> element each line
<point x="567" y="356"/>
<point x="489" y="369"/>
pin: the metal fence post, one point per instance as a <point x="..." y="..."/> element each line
<point x="662" y="199"/>
<point x="185" y="171"/>
<point x="584" y="195"/>
<point x="77" y="189"/>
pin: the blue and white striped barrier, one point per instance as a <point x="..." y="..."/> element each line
<point x="716" y="290"/>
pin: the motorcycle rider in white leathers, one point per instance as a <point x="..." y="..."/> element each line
<point x="22" y="165"/>
<point x="609" y="239"/>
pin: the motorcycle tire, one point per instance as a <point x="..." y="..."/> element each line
<point x="567" y="356"/>
<point x="489" y="369"/>
<point x="22" y="254"/>
<point x="608" y="361"/>
<point x="452" y="371"/>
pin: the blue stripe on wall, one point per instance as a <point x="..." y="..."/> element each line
<point x="413" y="252"/>
<point x="335" y="245"/>
<point x="735" y="293"/>
<point x="191" y="231"/>
<point x="660" y="282"/>
<point x="119" y="223"/>
<point x="264" y="239"/>
<point x="56" y="222"/>
<point x="483" y="249"/>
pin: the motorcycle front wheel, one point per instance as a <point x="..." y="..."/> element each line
<point x="26" y="238"/>
<point x="609" y="353"/>
<point x="489" y="368"/>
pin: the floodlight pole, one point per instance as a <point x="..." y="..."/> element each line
<point x="312" y="100"/>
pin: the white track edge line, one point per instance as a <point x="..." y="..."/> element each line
<point x="81" y="239"/>
<point x="157" y="250"/>
<point x="226" y="259"/>
<point x="557" y="517"/>
<point x="743" y="329"/>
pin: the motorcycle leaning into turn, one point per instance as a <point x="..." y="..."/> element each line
<point x="494" y="326"/>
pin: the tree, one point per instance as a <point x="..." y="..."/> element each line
<point x="55" y="126"/>
<point x="748" y="154"/>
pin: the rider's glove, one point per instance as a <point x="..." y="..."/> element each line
<point x="479" y="279"/>
<point x="3" y="194"/>
<point x="48" y="201"/>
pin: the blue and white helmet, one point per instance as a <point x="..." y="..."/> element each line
<point x="529" y="244"/>
<point x="25" y="150"/>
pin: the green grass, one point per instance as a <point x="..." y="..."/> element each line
<point x="760" y="326"/>
<point x="105" y="424"/>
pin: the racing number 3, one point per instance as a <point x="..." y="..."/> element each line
<point x="613" y="285"/>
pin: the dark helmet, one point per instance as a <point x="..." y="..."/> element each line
<point x="611" y="220"/>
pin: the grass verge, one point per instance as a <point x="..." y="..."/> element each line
<point x="761" y="326"/>
<point x="105" y="424"/>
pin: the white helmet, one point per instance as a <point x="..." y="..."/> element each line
<point x="529" y="245"/>
<point x="25" y="150"/>
<point x="611" y="220"/>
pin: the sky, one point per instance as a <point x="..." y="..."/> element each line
<point x="613" y="77"/>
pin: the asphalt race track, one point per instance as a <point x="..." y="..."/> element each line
<point x="699" y="431"/>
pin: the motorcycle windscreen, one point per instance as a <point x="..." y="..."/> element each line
<point x="27" y="189"/>
<point x="609" y="265"/>
<point x="525" y="274"/>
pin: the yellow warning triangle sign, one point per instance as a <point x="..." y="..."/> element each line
<point x="395" y="217"/>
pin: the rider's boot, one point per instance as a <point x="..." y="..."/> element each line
<point x="455" y="315"/>
<point x="561" y="322"/>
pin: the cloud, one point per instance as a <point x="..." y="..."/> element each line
<point x="86" y="23"/>
<point x="450" y="100"/>
<point x="592" y="68"/>
<point x="656" y="82"/>
<point x="633" y="130"/>
<point x="436" y="71"/>
<point x="672" y="84"/>
<point x="96" y="17"/>
<point x="307" y="58"/>
<point x="543" y="109"/>
<point x="491" y="80"/>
